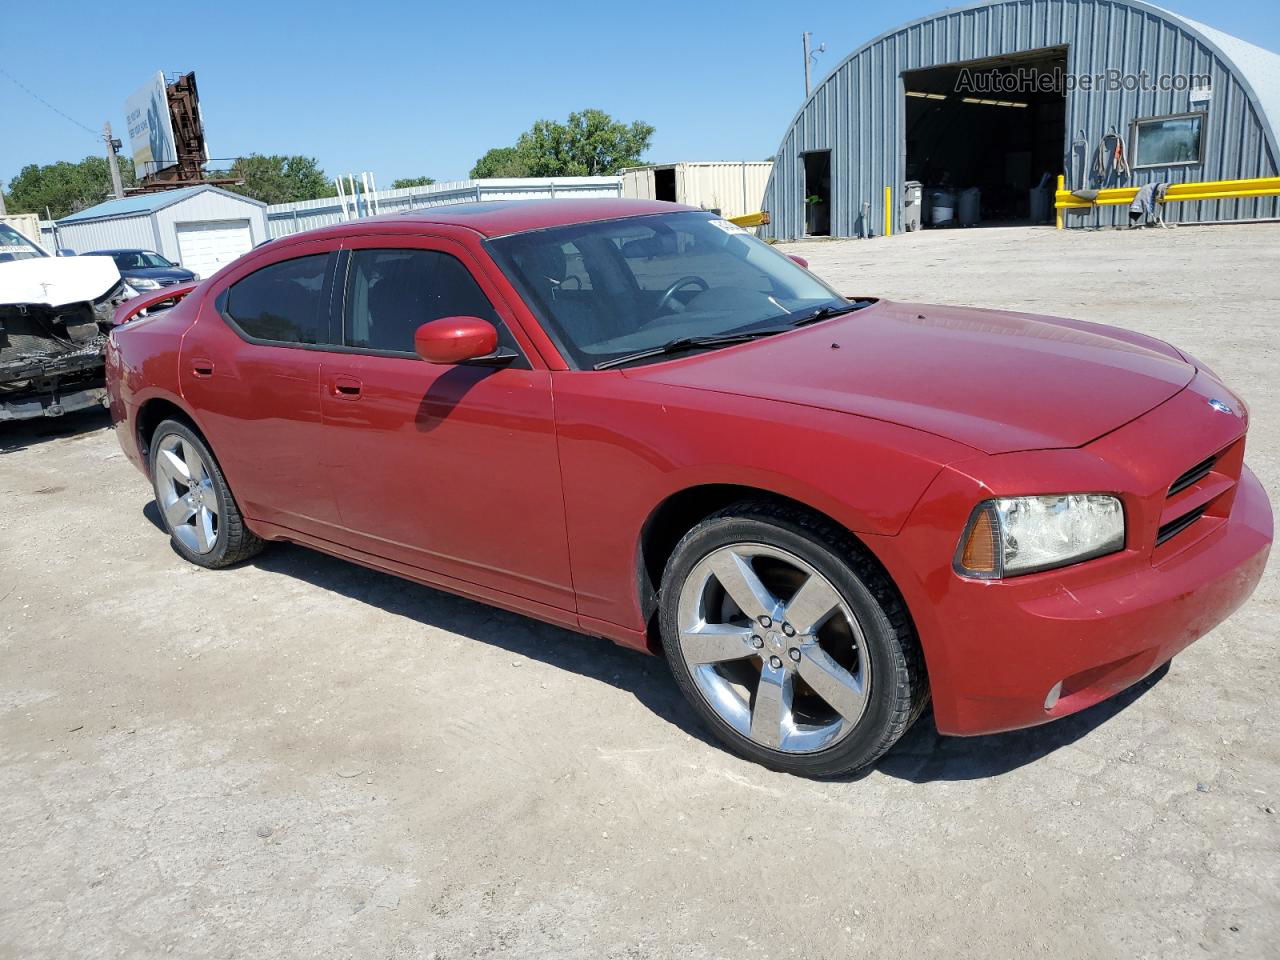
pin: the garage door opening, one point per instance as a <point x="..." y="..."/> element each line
<point x="984" y="140"/>
<point x="664" y="184"/>
<point x="817" y="193"/>
<point x="206" y="246"/>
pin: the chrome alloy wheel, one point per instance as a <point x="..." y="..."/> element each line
<point x="185" y="491"/>
<point x="773" y="647"/>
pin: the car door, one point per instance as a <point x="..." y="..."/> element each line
<point x="250" y="369"/>
<point x="449" y="468"/>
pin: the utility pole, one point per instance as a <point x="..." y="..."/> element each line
<point x="2" y="211"/>
<point x="806" y="64"/>
<point x="117" y="189"/>
<point x="808" y="59"/>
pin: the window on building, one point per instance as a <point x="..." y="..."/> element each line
<point x="283" y="303"/>
<point x="1168" y="141"/>
<point x="393" y="292"/>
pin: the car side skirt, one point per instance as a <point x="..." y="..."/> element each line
<point x="530" y="608"/>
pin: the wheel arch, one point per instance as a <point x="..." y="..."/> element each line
<point x="680" y="511"/>
<point x="151" y="413"/>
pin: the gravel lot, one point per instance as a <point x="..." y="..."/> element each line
<point x="302" y="758"/>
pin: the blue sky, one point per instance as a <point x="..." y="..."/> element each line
<point x="407" y="89"/>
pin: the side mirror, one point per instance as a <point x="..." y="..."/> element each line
<point x="799" y="261"/>
<point x="66" y="252"/>
<point x="455" y="339"/>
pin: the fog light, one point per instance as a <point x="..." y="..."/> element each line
<point x="1054" y="693"/>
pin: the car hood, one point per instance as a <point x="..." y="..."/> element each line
<point x="159" y="273"/>
<point x="54" y="281"/>
<point x="996" y="381"/>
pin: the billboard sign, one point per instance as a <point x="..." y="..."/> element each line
<point x="151" y="137"/>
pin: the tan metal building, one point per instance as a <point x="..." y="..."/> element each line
<point x="731" y="189"/>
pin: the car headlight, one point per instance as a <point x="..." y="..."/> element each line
<point x="144" y="283"/>
<point x="1014" y="535"/>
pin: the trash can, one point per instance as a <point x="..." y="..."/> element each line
<point x="1041" y="202"/>
<point x="912" y="205"/>
<point x="942" y="206"/>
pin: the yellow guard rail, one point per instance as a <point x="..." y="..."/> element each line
<point x="1064" y="199"/>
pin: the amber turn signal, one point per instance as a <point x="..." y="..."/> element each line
<point x="980" y="554"/>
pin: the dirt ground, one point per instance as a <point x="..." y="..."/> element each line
<point x="302" y="758"/>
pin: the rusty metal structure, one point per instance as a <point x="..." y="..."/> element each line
<point x="188" y="135"/>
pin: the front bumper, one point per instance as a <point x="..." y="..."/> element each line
<point x="52" y="386"/>
<point x="997" y="650"/>
<point x="1100" y="637"/>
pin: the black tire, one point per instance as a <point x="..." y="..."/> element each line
<point x="234" y="542"/>
<point x="899" y="689"/>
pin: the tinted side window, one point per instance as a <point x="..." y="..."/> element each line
<point x="391" y="293"/>
<point x="285" y="302"/>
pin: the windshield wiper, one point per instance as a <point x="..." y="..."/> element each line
<point x="822" y="313"/>
<point x="680" y="344"/>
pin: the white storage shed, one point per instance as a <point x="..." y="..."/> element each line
<point x="203" y="228"/>
<point x="731" y="189"/>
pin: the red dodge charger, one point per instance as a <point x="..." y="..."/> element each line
<point x="636" y="420"/>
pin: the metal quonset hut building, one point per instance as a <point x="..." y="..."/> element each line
<point x="891" y="113"/>
<point x="203" y="227"/>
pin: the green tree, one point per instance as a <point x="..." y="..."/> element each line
<point x="412" y="182"/>
<point x="279" y="179"/>
<point x="590" y="144"/>
<point x="499" y="162"/>
<point x="64" y="187"/>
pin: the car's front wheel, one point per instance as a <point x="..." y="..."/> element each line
<point x="790" y="641"/>
<point x="199" y="513"/>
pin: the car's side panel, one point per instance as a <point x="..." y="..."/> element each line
<point x="451" y="468"/>
<point x="142" y="365"/>
<point x="259" y="407"/>
<point x="626" y="446"/>
<point x="498" y="598"/>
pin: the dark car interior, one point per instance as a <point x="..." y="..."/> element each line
<point x="620" y="285"/>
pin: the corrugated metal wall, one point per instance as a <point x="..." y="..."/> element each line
<point x="286" y="218"/>
<point x="27" y="224"/>
<point x="127" y="232"/>
<point x="857" y="111"/>
<point x="638" y="183"/>
<point x="203" y="207"/>
<point x="734" y="188"/>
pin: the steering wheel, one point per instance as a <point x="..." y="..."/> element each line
<point x="678" y="285"/>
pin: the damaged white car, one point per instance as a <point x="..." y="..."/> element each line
<point x="55" y="313"/>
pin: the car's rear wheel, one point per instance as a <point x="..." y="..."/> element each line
<point x="790" y="641"/>
<point x="196" y="504"/>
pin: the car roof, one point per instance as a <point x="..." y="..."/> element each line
<point x="114" y="252"/>
<point x="500" y="218"/>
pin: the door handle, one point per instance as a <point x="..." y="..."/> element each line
<point x="200" y="367"/>
<point x="347" y="388"/>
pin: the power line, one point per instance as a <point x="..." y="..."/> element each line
<point x="93" y="133"/>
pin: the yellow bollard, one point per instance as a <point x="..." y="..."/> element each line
<point x="888" y="211"/>
<point x="1057" y="210"/>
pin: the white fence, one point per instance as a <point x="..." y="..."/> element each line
<point x="286" y="218"/>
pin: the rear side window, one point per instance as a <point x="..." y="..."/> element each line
<point x="391" y="293"/>
<point x="286" y="302"/>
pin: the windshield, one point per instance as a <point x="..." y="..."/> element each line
<point x="606" y="290"/>
<point x="14" y="246"/>
<point x="139" y="260"/>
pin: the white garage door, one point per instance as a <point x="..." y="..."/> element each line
<point x="205" y="247"/>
